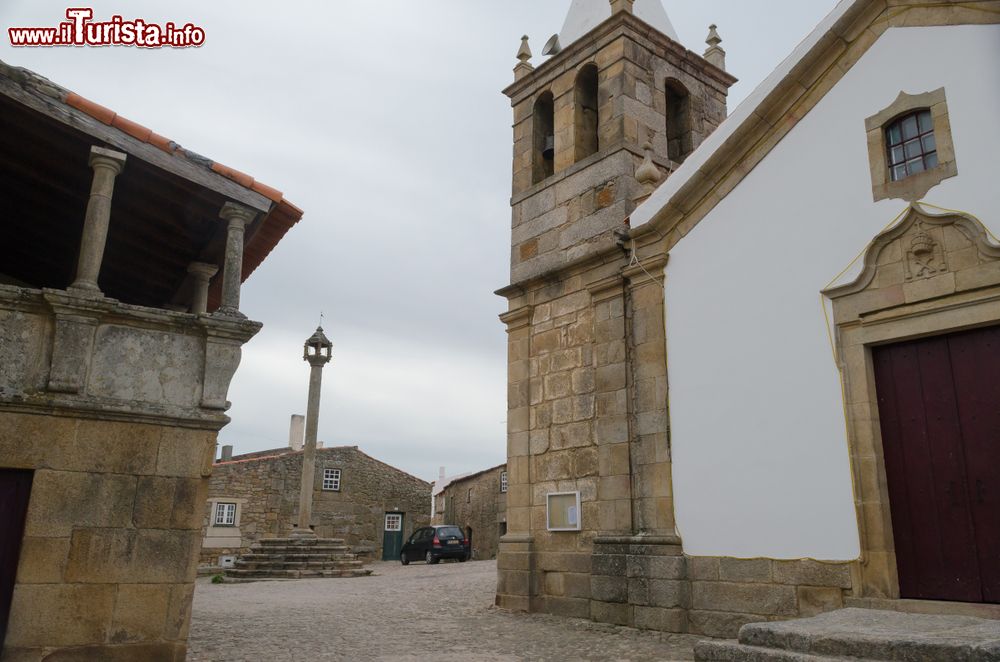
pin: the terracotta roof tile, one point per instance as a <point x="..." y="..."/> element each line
<point x="166" y="144"/>
<point x="240" y="178"/>
<point x="133" y="129"/>
<point x="97" y="111"/>
<point x="272" y="194"/>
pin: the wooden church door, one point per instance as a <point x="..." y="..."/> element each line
<point x="939" y="409"/>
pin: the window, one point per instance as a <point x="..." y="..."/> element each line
<point x="586" y="117"/>
<point x="393" y="521"/>
<point x="503" y="481"/>
<point x="225" y="514"/>
<point x="911" y="145"/>
<point x="910" y="148"/>
<point x="563" y="511"/>
<point x="680" y="133"/>
<point x="468" y="497"/>
<point x="544" y="147"/>
<point x="331" y="480"/>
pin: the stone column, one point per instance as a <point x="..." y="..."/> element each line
<point x="107" y="164"/>
<point x="516" y="558"/>
<point x="238" y="217"/>
<point x="202" y="274"/>
<point x="653" y="508"/>
<point x="317" y="361"/>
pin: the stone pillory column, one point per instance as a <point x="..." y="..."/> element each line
<point x="239" y="218"/>
<point x="317" y="352"/>
<point x="107" y="164"/>
<point x="202" y="274"/>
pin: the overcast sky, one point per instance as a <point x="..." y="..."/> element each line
<point x="384" y="121"/>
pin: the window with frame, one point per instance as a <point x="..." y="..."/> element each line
<point x="331" y="480"/>
<point x="393" y="522"/>
<point x="503" y="481"/>
<point x="225" y="514"/>
<point x="468" y="497"/>
<point x="911" y="146"/>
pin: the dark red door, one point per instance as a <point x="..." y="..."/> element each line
<point x="15" y="488"/>
<point x="939" y="406"/>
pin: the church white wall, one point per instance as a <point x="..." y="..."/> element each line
<point x="760" y="460"/>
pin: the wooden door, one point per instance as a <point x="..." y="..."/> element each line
<point x="392" y="538"/>
<point x="15" y="488"/>
<point x="939" y="408"/>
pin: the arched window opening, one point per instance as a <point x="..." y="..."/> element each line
<point x="543" y="154"/>
<point x="680" y="132"/>
<point x="911" y="145"/>
<point x="586" y="121"/>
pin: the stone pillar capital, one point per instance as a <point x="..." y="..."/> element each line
<point x="107" y="158"/>
<point x="235" y="212"/>
<point x="202" y="270"/>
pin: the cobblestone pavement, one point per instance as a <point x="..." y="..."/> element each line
<point x="440" y="612"/>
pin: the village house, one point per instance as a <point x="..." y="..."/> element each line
<point x="477" y="503"/>
<point x="815" y="278"/>
<point x="120" y="330"/>
<point x="370" y="505"/>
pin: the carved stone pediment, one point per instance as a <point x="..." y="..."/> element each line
<point x="926" y="255"/>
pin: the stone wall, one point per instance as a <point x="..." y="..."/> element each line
<point x="652" y="585"/>
<point x="476" y="502"/>
<point x="266" y="489"/>
<point x="120" y="469"/>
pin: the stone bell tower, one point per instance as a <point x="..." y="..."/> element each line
<point x="617" y="107"/>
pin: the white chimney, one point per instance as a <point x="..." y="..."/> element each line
<point x="297" y="432"/>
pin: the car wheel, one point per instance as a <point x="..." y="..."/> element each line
<point x="463" y="558"/>
<point x="429" y="558"/>
<point x="403" y="559"/>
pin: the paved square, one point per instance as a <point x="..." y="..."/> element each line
<point x="443" y="612"/>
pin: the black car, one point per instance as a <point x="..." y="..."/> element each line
<point x="433" y="543"/>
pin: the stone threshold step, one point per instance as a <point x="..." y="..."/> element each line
<point x="731" y="651"/>
<point x="880" y="635"/>
<point x="301" y="542"/>
<point x="937" y="607"/>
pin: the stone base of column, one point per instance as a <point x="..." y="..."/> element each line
<point x="85" y="289"/>
<point x="516" y="572"/>
<point x="302" y="533"/>
<point x="230" y="312"/>
<point x="640" y="581"/>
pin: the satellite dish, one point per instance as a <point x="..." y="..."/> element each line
<point x="552" y="46"/>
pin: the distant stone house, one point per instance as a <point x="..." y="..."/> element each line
<point x="368" y="503"/>
<point x="478" y="504"/>
<point x="120" y="330"/>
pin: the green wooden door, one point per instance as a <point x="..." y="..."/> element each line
<point x="392" y="538"/>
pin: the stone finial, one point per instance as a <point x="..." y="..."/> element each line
<point x="647" y="174"/>
<point x="715" y="54"/>
<point x="622" y="5"/>
<point x="523" y="67"/>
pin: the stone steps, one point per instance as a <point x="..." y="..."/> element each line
<point x="297" y="558"/>
<point x="861" y="634"/>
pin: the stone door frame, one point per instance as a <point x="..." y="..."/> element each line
<point x="890" y="302"/>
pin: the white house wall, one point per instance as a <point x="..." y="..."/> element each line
<point x="759" y="443"/>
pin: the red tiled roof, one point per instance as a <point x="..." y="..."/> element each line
<point x="274" y="227"/>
